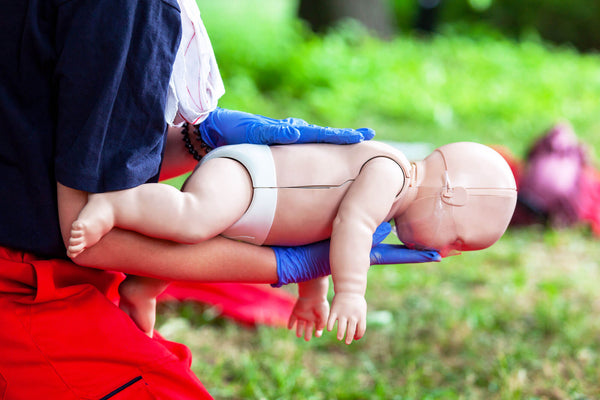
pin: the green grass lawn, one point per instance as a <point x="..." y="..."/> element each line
<point x="516" y="321"/>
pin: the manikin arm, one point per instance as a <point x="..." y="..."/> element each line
<point x="366" y="204"/>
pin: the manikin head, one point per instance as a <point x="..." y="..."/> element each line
<point x="465" y="198"/>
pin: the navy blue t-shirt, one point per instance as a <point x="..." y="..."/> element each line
<point x="83" y="87"/>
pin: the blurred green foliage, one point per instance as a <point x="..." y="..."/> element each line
<point x="448" y="87"/>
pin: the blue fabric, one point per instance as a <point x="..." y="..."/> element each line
<point x="223" y="127"/>
<point x="304" y="263"/>
<point x="82" y="91"/>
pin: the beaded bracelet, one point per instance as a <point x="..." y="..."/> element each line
<point x="188" y="142"/>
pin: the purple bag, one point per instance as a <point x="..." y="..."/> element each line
<point x="549" y="183"/>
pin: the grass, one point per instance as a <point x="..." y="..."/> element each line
<point x="515" y="321"/>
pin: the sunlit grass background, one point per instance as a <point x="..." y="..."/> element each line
<point x="516" y="321"/>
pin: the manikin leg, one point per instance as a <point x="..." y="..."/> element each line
<point x="214" y="197"/>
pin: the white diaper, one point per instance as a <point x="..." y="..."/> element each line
<point x="254" y="226"/>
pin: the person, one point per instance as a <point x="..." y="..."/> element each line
<point x="461" y="197"/>
<point x="83" y="98"/>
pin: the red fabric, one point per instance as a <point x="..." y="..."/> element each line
<point x="248" y="304"/>
<point x="61" y="337"/>
<point x="589" y="202"/>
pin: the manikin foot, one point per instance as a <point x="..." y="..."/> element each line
<point x="80" y="239"/>
<point x="94" y="221"/>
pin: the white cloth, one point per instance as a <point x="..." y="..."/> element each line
<point x="195" y="86"/>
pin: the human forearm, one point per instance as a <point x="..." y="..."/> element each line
<point x="215" y="260"/>
<point x="177" y="160"/>
<point x="224" y="127"/>
<point x="218" y="259"/>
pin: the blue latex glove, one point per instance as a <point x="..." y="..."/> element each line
<point x="303" y="263"/>
<point x="223" y="127"/>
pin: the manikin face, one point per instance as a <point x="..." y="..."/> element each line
<point x="466" y="195"/>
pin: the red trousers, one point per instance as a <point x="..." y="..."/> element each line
<point x="62" y="337"/>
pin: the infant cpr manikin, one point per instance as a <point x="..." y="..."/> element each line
<point x="462" y="198"/>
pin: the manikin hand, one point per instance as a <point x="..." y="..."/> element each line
<point x="350" y="312"/>
<point x="309" y="315"/>
<point x="224" y="127"/>
<point x="311" y="309"/>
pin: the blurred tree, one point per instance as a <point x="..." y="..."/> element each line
<point x="427" y="15"/>
<point x="375" y="15"/>
<point x="573" y="22"/>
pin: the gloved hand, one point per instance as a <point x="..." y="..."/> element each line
<point x="303" y="263"/>
<point x="383" y="254"/>
<point x="223" y="127"/>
